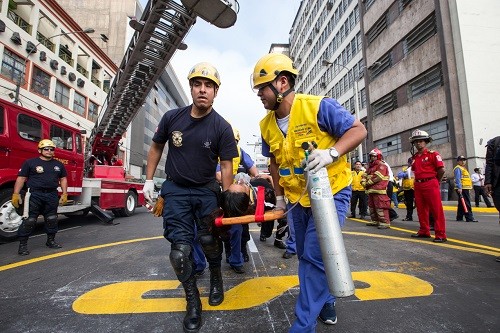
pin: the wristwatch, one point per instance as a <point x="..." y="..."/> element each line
<point x="334" y="153"/>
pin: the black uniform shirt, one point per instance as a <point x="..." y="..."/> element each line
<point x="195" y="145"/>
<point x="42" y="174"/>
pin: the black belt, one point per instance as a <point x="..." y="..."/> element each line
<point x="423" y="180"/>
<point x="42" y="190"/>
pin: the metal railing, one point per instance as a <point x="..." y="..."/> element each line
<point x="19" y="21"/>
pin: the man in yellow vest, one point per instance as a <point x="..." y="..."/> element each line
<point x="294" y="119"/>
<point x="463" y="184"/>
<point x="358" y="192"/>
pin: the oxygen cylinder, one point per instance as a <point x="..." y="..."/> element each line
<point x="338" y="272"/>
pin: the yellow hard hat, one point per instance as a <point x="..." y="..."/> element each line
<point x="270" y="66"/>
<point x="205" y="70"/>
<point x="46" y="143"/>
<point x="236" y="134"/>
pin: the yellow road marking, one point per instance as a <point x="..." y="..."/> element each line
<point x="128" y="297"/>
<point x="66" y="253"/>
<point x="488" y="250"/>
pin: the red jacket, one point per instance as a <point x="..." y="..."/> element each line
<point x="376" y="178"/>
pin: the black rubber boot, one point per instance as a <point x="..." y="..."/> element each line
<point x="23" y="246"/>
<point x="216" y="288"/>
<point x="192" y="320"/>
<point x="51" y="243"/>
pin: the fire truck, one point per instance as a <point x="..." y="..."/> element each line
<point x="103" y="189"/>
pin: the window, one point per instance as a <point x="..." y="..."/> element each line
<point x="425" y="82"/>
<point x="29" y="128"/>
<point x="40" y="82"/>
<point x="438" y="130"/>
<point x="79" y="143"/>
<point x="377" y="29"/>
<point x="62" y="94"/>
<point x="13" y="66"/>
<point x="62" y="138"/>
<point x="79" y="104"/>
<point x="385" y="104"/>
<point x="420" y="34"/>
<point x="93" y="111"/>
<point x="389" y="146"/>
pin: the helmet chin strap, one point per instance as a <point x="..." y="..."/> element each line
<point x="279" y="96"/>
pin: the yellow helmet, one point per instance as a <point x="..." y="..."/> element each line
<point x="236" y="134"/>
<point x="46" y="143"/>
<point x="205" y="70"/>
<point x="270" y="66"/>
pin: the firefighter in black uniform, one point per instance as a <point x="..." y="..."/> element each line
<point x="42" y="176"/>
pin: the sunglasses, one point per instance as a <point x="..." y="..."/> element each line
<point x="48" y="149"/>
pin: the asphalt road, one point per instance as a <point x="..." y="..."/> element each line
<point x="117" y="278"/>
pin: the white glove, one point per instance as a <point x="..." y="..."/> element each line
<point x="148" y="190"/>
<point x="280" y="202"/>
<point x="317" y="159"/>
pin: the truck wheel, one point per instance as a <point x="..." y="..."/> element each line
<point x="130" y="204"/>
<point x="10" y="221"/>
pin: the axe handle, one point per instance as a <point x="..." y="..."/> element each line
<point x="245" y="219"/>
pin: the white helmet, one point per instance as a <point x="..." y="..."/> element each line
<point x="420" y="135"/>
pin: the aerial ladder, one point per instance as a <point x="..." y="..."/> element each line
<point x="158" y="35"/>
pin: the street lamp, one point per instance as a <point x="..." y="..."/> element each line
<point x="327" y="63"/>
<point x="34" y="50"/>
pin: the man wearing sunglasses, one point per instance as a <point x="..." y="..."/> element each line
<point x="42" y="176"/>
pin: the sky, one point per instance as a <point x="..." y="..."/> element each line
<point x="234" y="52"/>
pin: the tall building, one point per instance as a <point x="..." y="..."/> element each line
<point x="111" y="22"/>
<point x="431" y="66"/>
<point x="51" y="64"/>
<point x="325" y="45"/>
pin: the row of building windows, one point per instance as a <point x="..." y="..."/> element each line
<point x="14" y="68"/>
<point x="424" y="83"/>
<point x="309" y="16"/>
<point x="399" y="143"/>
<point x="68" y="50"/>
<point x="386" y="20"/>
<point x="347" y="54"/>
<point x="415" y="38"/>
<point x="351" y="22"/>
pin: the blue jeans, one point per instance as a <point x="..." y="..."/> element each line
<point x="314" y="292"/>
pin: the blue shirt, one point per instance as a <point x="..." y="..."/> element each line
<point x="332" y="118"/>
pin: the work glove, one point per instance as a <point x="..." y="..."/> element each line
<point x="158" y="207"/>
<point x="148" y="190"/>
<point x="63" y="199"/>
<point x="280" y="202"/>
<point x="16" y="200"/>
<point x="317" y="159"/>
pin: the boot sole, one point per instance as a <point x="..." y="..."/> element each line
<point x="215" y="304"/>
<point x="195" y="330"/>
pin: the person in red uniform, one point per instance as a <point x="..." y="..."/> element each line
<point x="428" y="168"/>
<point x="375" y="181"/>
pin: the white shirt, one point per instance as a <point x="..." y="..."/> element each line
<point x="477" y="179"/>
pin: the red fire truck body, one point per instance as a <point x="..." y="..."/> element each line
<point x="20" y="131"/>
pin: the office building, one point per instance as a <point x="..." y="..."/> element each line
<point x="325" y="45"/>
<point x="431" y="67"/>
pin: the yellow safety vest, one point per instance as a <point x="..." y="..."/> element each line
<point x="237" y="161"/>
<point x="356" y="180"/>
<point x="303" y="127"/>
<point x="466" y="181"/>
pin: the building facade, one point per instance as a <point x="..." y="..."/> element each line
<point x="326" y="47"/>
<point x="51" y="64"/>
<point x="111" y="20"/>
<point x="431" y="67"/>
